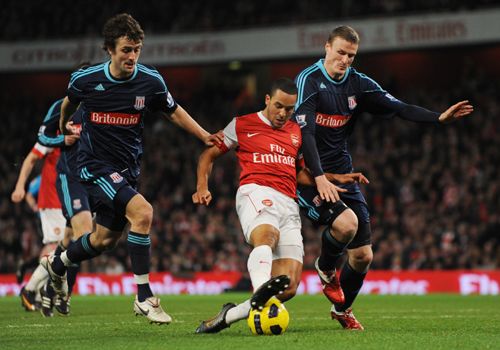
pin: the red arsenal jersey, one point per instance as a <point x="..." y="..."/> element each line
<point x="267" y="156"/>
<point x="47" y="196"/>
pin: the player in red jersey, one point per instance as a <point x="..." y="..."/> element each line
<point x="267" y="145"/>
<point x="51" y="217"/>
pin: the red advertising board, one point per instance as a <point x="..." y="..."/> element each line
<point x="377" y="282"/>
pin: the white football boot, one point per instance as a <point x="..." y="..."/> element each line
<point x="151" y="308"/>
<point x="59" y="283"/>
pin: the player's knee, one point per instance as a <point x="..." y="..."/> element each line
<point x="361" y="260"/>
<point x="345" y="226"/>
<point x="81" y="223"/>
<point x="265" y="235"/>
<point x="142" y="215"/>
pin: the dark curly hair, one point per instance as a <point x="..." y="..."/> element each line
<point x="118" y="26"/>
<point x="284" y="84"/>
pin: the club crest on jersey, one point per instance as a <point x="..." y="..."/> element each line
<point x="117" y="178"/>
<point x="295" y="140"/>
<point x="267" y="202"/>
<point x="77" y="204"/>
<point x="301" y="120"/>
<point x="352" y="102"/>
<point x="139" y="102"/>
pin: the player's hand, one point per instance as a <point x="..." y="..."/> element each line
<point x="327" y="191"/>
<point x="347" y="178"/>
<point x="72" y="129"/>
<point x="215" y="139"/>
<point x="203" y="197"/>
<point x="18" y="195"/>
<point x="457" y="111"/>
<point x="70" y="139"/>
<point x="34" y="207"/>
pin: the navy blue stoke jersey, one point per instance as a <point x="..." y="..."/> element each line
<point x="48" y="134"/>
<point x="67" y="163"/>
<point x="111" y="136"/>
<point x="326" y="111"/>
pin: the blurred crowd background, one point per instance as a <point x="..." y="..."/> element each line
<point x="57" y="19"/>
<point x="434" y="192"/>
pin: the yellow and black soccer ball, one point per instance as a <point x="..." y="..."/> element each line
<point x="272" y="320"/>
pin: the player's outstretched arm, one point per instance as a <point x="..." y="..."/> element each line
<point x="20" y="189"/>
<point x="67" y="110"/>
<point x="457" y="111"/>
<point x="343" y="179"/>
<point x="182" y="119"/>
<point x="205" y="164"/>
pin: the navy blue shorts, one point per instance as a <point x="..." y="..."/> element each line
<point x="110" y="192"/>
<point x="315" y="210"/>
<point x="72" y="195"/>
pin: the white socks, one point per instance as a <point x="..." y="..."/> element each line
<point x="239" y="312"/>
<point x="38" y="279"/>
<point x="259" y="265"/>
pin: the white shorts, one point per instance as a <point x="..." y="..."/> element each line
<point x="257" y="205"/>
<point x="53" y="225"/>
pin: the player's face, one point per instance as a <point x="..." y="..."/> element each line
<point x="279" y="108"/>
<point x="339" y="56"/>
<point x="124" y="57"/>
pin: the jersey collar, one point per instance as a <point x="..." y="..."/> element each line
<point x="108" y="74"/>
<point x="321" y="65"/>
<point x="264" y="119"/>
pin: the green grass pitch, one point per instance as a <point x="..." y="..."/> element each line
<point x="391" y="322"/>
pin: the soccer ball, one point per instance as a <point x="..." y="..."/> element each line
<point x="272" y="320"/>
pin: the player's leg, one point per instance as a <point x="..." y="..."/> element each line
<point x="291" y="267"/>
<point x="39" y="275"/>
<point x="49" y="296"/>
<point x="334" y="241"/>
<point x="288" y="256"/>
<point x="341" y="224"/>
<point x="260" y="227"/>
<point x="53" y="226"/>
<point x="73" y="196"/>
<point x="353" y="273"/>
<point x="140" y="215"/>
<point x="258" y="209"/>
<point x="53" y="223"/>
<point x="29" y="292"/>
<point x="351" y="279"/>
<point x="76" y="209"/>
<point x="109" y="198"/>
<point x="86" y="247"/>
<point x="75" y="204"/>
<point x="81" y="223"/>
<point x="264" y="239"/>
